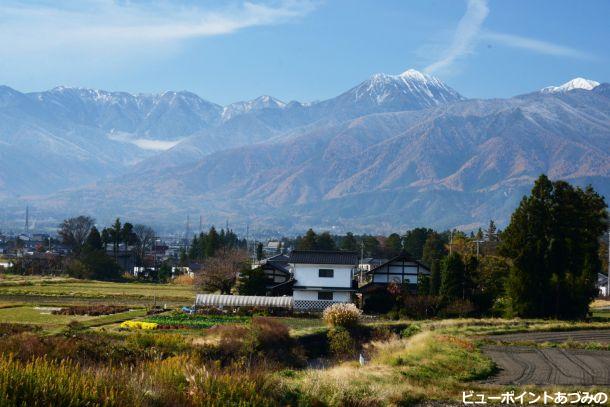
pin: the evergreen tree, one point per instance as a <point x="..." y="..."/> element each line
<point x="371" y="246"/>
<point x="106" y="237"/>
<point x="194" y="250"/>
<point x="553" y="240"/>
<point x="100" y="266"/>
<point x="252" y="282"/>
<point x="325" y="242"/>
<point x="349" y="243"/>
<point x="127" y="234"/>
<point x="415" y="240"/>
<point x="434" y="249"/>
<point x="479" y="236"/>
<point x="423" y="285"/>
<point x="212" y="242"/>
<point x="309" y="241"/>
<point x="471" y="269"/>
<point x="491" y="234"/>
<point x="259" y="251"/>
<point x="115" y="234"/>
<point x="453" y="278"/>
<point x="183" y="257"/>
<point x="435" y="277"/>
<point x="94" y="240"/>
<point x="393" y="245"/>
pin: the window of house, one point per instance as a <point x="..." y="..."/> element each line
<point x="325" y="295"/>
<point x="326" y="273"/>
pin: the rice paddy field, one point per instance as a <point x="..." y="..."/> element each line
<point x="67" y="291"/>
<point x="244" y="360"/>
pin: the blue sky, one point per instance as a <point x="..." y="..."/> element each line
<point x="300" y="49"/>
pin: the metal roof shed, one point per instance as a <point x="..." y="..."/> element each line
<point x="218" y="300"/>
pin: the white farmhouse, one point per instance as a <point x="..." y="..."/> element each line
<point x="322" y="278"/>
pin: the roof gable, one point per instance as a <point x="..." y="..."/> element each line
<point x="404" y="256"/>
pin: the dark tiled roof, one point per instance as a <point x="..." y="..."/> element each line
<point x="323" y="257"/>
<point x="276" y="266"/>
<point x="404" y="256"/>
<point x="278" y="258"/>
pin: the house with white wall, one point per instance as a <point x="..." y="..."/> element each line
<point x="322" y="278"/>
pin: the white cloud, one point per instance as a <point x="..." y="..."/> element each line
<point x="107" y="23"/>
<point x="464" y="37"/>
<point x="542" y="47"/>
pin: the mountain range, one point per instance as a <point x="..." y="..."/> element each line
<point x="395" y="151"/>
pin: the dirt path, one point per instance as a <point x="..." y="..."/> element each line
<point x="600" y="336"/>
<point x="547" y="366"/>
<point x="528" y="365"/>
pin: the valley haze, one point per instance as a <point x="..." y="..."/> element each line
<point x="395" y="151"/>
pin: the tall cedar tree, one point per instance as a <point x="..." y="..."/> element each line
<point x="325" y="242"/>
<point x="415" y="240"/>
<point x="349" y="243"/>
<point x="435" y="277"/>
<point x="393" y="245"/>
<point x="434" y="249"/>
<point x="212" y="243"/>
<point x="453" y="278"/>
<point x="94" y="240"/>
<point x="308" y="242"/>
<point x="491" y="234"/>
<point x="371" y="246"/>
<point x="553" y="241"/>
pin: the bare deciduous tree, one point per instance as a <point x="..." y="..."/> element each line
<point x="145" y="239"/>
<point x="74" y="231"/>
<point x="220" y="272"/>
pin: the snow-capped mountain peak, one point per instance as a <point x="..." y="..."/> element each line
<point x="415" y="90"/>
<point x="261" y="102"/>
<point x="416" y="75"/>
<point x="576" y="83"/>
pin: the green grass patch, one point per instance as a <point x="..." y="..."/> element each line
<point x="41" y="316"/>
<point x="182" y="320"/>
<point x="428" y="365"/>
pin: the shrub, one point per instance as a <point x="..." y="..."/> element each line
<point x="411" y="330"/>
<point x="341" y="343"/>
<point x="420" y="306"/>
<point x="458" y="308"/>
<point x="92" y="310"/>
<point x="7" y="329"/>
<point x="264" y="340"/>
<point x="379" y="302"/>
<point x="344" y="315"/>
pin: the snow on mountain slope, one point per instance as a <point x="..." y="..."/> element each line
<point x="576" y="83"/>
<point x="261" y="102"/>
<point x="410" y="90"/>
<point x="475" y="157"/>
